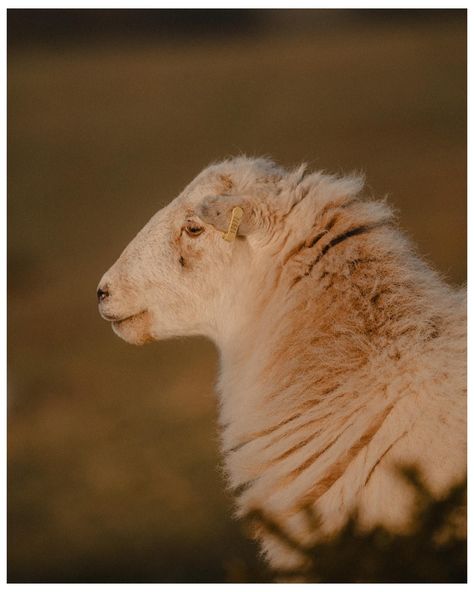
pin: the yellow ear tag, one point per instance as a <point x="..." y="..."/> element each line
<point x="236" y="219"/>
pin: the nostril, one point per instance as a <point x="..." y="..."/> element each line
<point x="102" y="294"/>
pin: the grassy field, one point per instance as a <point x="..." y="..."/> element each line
<point x="113" y="450"/>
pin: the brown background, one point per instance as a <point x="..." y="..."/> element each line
<point x="113" y="461"/>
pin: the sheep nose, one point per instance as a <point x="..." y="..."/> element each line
<point x="103" y="293"/>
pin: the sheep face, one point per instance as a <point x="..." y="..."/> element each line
<point x="167" y="280"/>
<point x="179" y="276"/>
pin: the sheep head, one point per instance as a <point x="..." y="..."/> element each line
<point x="178" y="276"/>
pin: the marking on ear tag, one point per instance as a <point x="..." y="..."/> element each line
<point x="236" y="219"/>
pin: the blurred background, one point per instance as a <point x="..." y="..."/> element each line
<point x="114" y="472"/>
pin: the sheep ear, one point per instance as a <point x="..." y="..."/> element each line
<point x="232" y="215"/>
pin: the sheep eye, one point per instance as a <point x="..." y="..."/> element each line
<point x="193" y="230"/>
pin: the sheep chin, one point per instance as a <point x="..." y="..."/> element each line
<point x="134" y="329"/>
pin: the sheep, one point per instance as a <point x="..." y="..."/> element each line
<point x="342" y="353"/>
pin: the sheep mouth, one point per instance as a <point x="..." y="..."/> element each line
<point x="119" y="321"/>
